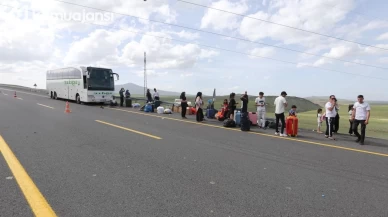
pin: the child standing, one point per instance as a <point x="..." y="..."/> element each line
<point x="292" y="112"/>
<point x="350" y="111"/>
<point x="319" y="120"/>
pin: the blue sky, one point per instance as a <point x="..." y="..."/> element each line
<point x="34" y="44"/>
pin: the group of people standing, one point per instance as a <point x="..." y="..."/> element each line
<point x="359" y="114"/>
<point x="151" y="98"/>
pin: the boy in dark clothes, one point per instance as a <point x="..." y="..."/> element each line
<point x="292" y="112"/>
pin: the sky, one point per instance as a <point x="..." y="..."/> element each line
<point x="38" y="35"/>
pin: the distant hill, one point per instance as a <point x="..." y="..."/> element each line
<point x="322" y="100"/>
<point x="135" y="89"/>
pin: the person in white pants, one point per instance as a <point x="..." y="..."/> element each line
<point x="260" y="104"/>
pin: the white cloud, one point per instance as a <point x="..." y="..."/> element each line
<point x="186" y="35"/>
<point x="219" y="20"/>
<point x="152" y="73"/>
<point x="263" y="52"/>
<point x="383" y="60"/>
<point x="24" y="40"/>
<point x="187" y="75"/>
<point x="383" y="37"/>
<point x="208" y="53"/>
<point x="304" y="14"/>
<point x="163" y="54"/>
<point x="99" y="47"/>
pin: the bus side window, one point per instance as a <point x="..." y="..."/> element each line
<point x="85" y="85"/>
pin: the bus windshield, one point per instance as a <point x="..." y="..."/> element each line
<point x="100" y="79"/>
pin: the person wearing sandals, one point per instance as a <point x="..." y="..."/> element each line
<point x="331" y="113"/>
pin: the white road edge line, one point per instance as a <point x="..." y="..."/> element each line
<point x="45" y="106"/>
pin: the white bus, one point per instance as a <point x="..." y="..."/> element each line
<point x="81" y="84"/>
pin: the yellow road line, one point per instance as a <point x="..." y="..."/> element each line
<point x="35" y="199"/>
<point x="130" y="130"/>
<point x="261" y="134"/>
<point x="45" y="106"/>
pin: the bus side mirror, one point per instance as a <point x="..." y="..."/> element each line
<point x="117" y="76"/>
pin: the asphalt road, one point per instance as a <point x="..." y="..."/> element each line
<point x="106" y="162"/>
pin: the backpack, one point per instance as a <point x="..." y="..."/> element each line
<point x="229" y="123"/>
<point x="270" y="123"/>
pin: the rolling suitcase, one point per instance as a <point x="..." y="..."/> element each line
<point x="128" y="102"/>
<point x="237" y="117"/>
<point x="245" y="122"/>
<point x="253" y="118"/>
<point x="292" y="126"/>
<point x="210" y="113"/>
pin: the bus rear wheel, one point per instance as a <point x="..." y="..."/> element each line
<point x="55" y="96"/>
<point x="78" y="99"/>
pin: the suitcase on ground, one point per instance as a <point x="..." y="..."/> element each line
<point x="253" y="118"/>
<point x="245" y="122"/>
<point x="210" y="113"/>
<point x="193" y="111"/>
<point x="128" y="102"/>
<point x="292" y="126"/>
<point x="237" y="117"/>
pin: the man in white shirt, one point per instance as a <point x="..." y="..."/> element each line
<point x="280" y="105"/>
<point x="260" y="104"/>
<point x="331" y="112"/>
<point x="156" y="95"/>
<point x="360" y="115"/>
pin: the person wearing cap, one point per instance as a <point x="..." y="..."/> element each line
<point x="280" y="105"/>
<point x="331" y="112"/>
<point x="360" y="115"/>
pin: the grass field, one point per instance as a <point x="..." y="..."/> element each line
<point x="307" y="114"/>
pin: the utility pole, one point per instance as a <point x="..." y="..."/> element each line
<point x="145" y="76"/>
